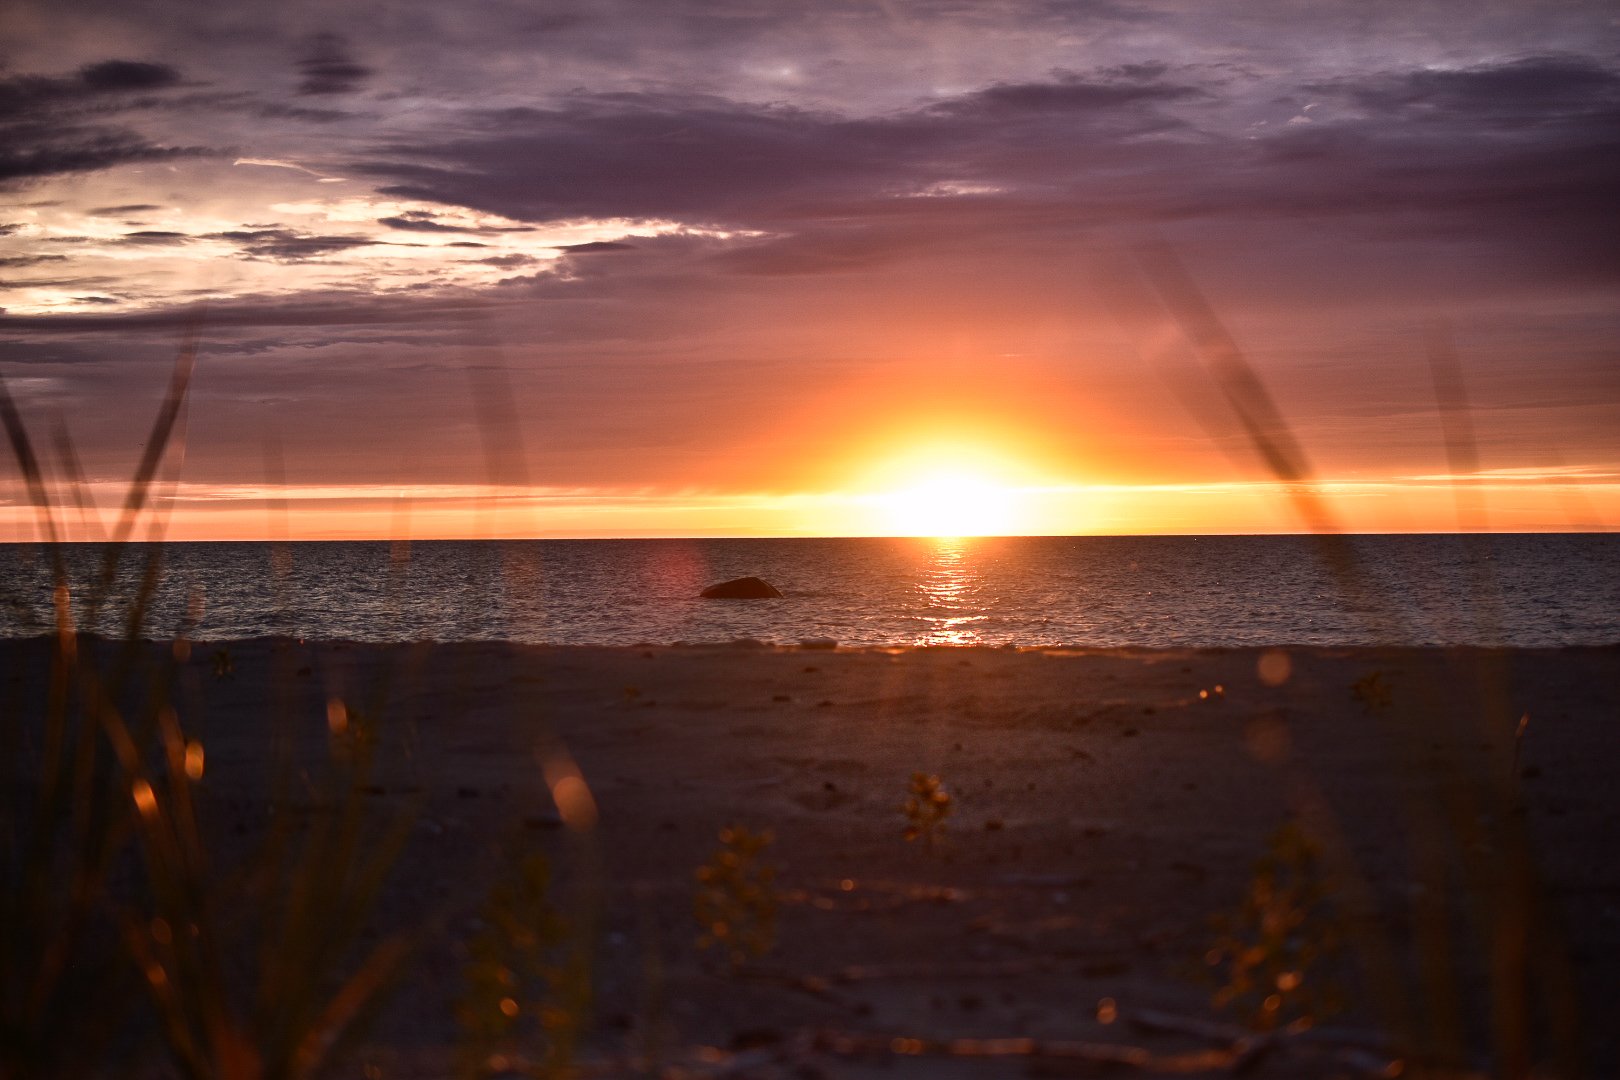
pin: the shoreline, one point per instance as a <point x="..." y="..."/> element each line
<point x="823" y="647"/>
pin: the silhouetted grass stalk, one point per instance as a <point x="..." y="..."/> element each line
<point x="81" y="926"/>
<point x="1473" y="821"/>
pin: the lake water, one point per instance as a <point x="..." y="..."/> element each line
<point x="1524" y="590"/>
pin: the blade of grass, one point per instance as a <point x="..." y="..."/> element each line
<point x="157" y="444"/>
<point x="1444" y="810"/>
<point x="84" y="499"/>
<point x="1517" y="893"/>
<point x="22" y="450"/>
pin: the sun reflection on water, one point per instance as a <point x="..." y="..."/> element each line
<point x="950" y="585"/>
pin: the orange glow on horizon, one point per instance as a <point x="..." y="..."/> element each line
<point x="962" y="498"/>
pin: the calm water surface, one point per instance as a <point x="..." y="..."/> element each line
<point x="1526" y="590"/>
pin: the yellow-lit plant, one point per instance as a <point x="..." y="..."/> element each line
<point x="527" y="989"/>
<point x="926" y="808"/>
<point x="736" y="900"/>
<point x="1268" y="953"/>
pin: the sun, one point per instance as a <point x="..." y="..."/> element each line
<point x="950" y="504"/>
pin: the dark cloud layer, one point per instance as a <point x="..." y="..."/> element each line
<point x="112" y="75"/>
<point x="1528" y="92"/>
<point x="288" y="245"/>
<point x="643" y="155"/>
<point x="51" y="150"/>
<point x="330" y="67"/>
<point x="1526" y="150"/>
<point x="419" y="222"/>
<point x="50" y="125"/>
<point x="1519" y="158"/>
<point x="33" y="95"/>
<point x="424" y="221"/>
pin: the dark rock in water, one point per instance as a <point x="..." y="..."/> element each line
<point x="744" y="588"/>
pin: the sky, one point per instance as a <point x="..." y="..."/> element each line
<point x="656" y="267"/>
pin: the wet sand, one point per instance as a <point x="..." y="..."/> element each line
<point x="1103" y="809"/>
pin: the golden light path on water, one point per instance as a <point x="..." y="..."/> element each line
<point x="949" y="585"/>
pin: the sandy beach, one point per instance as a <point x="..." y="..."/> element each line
<point x="1104" y="805"/>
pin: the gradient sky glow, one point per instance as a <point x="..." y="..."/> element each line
<point x="653" y="267"/>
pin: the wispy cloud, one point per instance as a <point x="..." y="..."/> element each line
<point x="1527" y="474"/>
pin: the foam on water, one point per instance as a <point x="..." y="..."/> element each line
<point x="1523" y="590"/>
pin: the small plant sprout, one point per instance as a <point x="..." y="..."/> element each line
<point x="1270" y="949"/>
<point x="1372" y="691"/>
<point x="926" y="809"/>
<point x="736" y="900"/>
<point x="527" y="990"/>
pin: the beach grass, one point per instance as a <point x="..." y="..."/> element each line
<point x="117" y="928"/>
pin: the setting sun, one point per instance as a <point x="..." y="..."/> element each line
<point x="950" y="504"/>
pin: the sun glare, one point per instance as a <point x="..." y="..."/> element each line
<point x="950" y="504"/>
